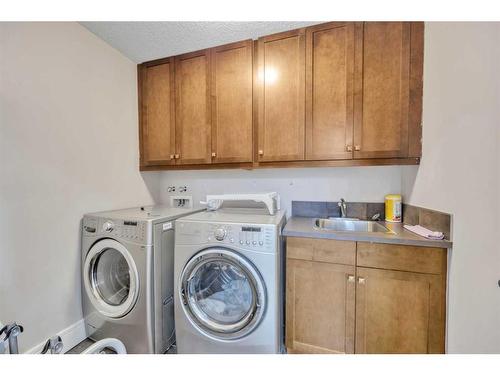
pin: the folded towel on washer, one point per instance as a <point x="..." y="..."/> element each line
<point x="424" y="232"/>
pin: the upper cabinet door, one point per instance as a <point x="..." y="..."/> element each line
<point x="193" y="116"/>
<point x="382" y="77"/>
<point x="232" y="103"/>
<point x="157" y="128"/>
<point x="329" y="91"/>
<point x="281" y="96"/>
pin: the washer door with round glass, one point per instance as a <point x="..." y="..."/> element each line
<point x="222" y="293"/>
<point x="110" y="278"/>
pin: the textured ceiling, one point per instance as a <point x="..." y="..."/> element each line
<point x="143" y="41"/>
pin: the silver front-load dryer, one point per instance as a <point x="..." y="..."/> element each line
<point x="127" y="276"/>
<point x="229" y="282"/>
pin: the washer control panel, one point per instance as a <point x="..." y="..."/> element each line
<point x="249" y="236"/>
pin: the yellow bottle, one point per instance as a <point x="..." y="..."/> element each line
<point x="393" y="209"/>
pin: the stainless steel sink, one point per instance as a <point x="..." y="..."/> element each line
<point x="350" y="225"/>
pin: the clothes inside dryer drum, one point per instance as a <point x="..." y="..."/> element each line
<point x="222" y="291"/>
<point x="111" y="277"/>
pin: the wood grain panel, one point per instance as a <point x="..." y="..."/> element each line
<point x="382" y="75"/>
<point x="416" y="89"/>
<point x="319" y="307"/>
<point x="398" y="312"/>
<point x="290" y="164"/>
<point x="281" y="96"/>
<point x="320" y="250"/>
<point x="157" y="113"/>
<point x="329" y="91"/>
<point x="401" y="257"/>
<point x="232" y="117"/>
<point x="193" y="114"/>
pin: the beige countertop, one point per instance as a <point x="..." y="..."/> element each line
<point x="304" y="227"/>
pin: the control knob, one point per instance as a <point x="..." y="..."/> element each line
<point x="108" y="226"/>
<point x="220" y="234"/>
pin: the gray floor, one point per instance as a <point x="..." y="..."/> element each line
<point x="77" y="349"/>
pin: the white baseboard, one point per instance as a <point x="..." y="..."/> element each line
<point x="71" y="336"/>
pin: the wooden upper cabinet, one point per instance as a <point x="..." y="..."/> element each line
<point x="281" y="96"/>
<point x="329" y="91"/>
<point x="399" y="312"/>
<point x="232" y="115"/>
<point x="382" y="79"/>
<point x="339" y="93"/>
<point x="157" y="115"/>
<point x="193" y="113"/>
<point x="416" y="90"/>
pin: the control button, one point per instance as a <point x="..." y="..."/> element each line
<point x="108" y="226"/>
<point x="254" y="243"/>
<point x="241" y="242"/>
<point x="261" y="243"/>
<point x="231" y="240"/>
<point x="248" y="242"/>
<point x="220" y="234"/>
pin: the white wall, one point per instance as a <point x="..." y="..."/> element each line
<point x="68" y="145"/>
<point x="459" y="172"/>
<point x="360" y="184"/>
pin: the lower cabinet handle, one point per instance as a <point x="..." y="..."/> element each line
<point x="350" y="278"/>
<point x="361" y="280"/>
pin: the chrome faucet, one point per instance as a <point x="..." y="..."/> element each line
<point x="10" y="332"/>
<point x="343" y="207"/>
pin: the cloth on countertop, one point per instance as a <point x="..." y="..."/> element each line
<point x="424" y="232"/>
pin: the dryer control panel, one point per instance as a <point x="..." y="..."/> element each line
<point x="127" y="229"/>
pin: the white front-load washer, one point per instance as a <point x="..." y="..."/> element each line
<point x="127" y="276"/>
<point x="228" y="282"/>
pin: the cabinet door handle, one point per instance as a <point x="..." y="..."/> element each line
<point x="172" y="157"/>
<point x="177" y="156"/>
<point x="348" y="148"/>
<point x="214" y="154"/>
<point x="361" y="280"/>
<point x="261" y="152"/>
<point x="350" y="278"/>
<point x="357" y="148"/>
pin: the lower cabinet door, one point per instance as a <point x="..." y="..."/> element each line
<point x="399" y="312"/>
<point x="319" y="307"/>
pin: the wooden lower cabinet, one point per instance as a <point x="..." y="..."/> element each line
<point x="320" y="307"/>
<point x="398" y="312"/>
<point x="340" y="299"/>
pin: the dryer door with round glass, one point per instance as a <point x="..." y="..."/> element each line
<point x="222" y="293"/>
<point x="110" y="278"/>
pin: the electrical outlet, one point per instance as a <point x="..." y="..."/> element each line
<point x="182" y="201"/>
